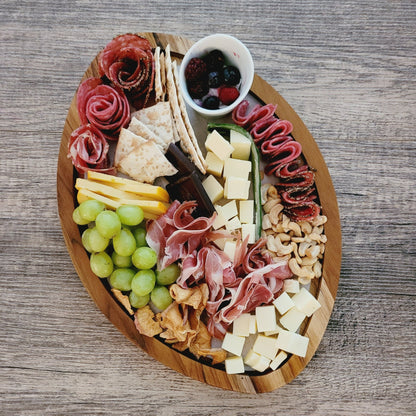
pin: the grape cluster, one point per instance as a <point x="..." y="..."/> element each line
<point x="116" y="241"/>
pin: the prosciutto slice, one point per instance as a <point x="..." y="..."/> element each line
<point x="127" y="61"/>
<point x="88" y="150"/>
<point x="103" y="106"/>
<point x="176" y="234"/>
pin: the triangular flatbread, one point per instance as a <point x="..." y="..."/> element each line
<point x="158" y="119"/>
<point x="146" y="163"/>
<point x="158" y="78"/>
<point x="127" y="142"/>
<point x="139" y="128"/>
<point x="185" y="140"/>
<point x="185" y="117"/>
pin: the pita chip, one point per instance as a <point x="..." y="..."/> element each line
<point x="185" y="140"/>
<point x="139" y="128"/>
<point x="158" y="119"/>
<point x="158" y="79"/>
<point x="185" y="117"/>
<point x="127" y="142"/>
<point x="145" y="163"/>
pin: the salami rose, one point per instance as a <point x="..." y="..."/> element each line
<point x="88" y="150"/>
<point x="127" y="61"/>
<point x="103" y="106"/>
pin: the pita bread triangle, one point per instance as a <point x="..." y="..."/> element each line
<point x="127" y="142"/>
<point x="158" y="119"/>
<point x="185" y="140"/>
<point x="146" y="163"/>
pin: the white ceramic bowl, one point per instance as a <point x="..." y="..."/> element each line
<point x="236" y="54"/>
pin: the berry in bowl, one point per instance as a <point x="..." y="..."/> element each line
<point x="216" y="74"/>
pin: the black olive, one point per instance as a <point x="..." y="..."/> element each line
<point x="211" y="103"/>
<point x="231" y="75"/>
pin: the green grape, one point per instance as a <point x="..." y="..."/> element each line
<point x="88" y="210"/>
<point x="160" y="297"/>
<point x="121" y="279"/>
<point x="138" y="301"/>
<point x="130" y="214"/>
<point x="96" y="241"/>
<point x="121" y="261"/>
<point x="76" y="216"/>
<point x="140" y="236"/>
<point x="85" y="239"/>
<point x="108" y="223"/>
<point x="143" y="282"/>
<point x="124" y="243"/>
<point x="168" y="275"/>
<point x="101" y="264"/>
<point x="144" y="258"/>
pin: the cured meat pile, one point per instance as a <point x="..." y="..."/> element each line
<point x="126" y="69"/>
<point x="127" y="61"/>
<point x="234" y="287"/>
<point x="103" y="106"/>
<point x="88" y="149"/>
<point x="282" y="155"/>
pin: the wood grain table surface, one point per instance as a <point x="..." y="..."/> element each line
<point x="348" y="68"/>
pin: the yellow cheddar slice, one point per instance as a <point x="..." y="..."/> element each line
<point x="129" y="185"/>
<point x="151" y="209"/>
<point x="106" y="190"/>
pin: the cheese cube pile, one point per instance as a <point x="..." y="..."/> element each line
<point x="275" y="326"/>
<point x="229" y="168"/>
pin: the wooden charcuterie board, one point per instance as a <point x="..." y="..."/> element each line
<point x="324" y="289"/>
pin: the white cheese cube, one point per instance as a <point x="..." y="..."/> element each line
<point x="241" y="145"/>
<point x="236" y="188"/>
<point x="252" y="358"/>
<point x="234" y="365"/>
<point x="241" y="325"/>
<point x="216" y="144"/>
<point x="262" y="364"/>
<point x="266" y="346"/>
<point x="291" y="285"/>
<point x="292" y="319"/>
<point x="250" y="231"/>
<point x="283" y="303"/>
<point x="274" y="332"/>
<point x="219" y="221"/>
<point x="306" y="302"/>
<point x="233" y="343"/>
<point x="266" y="318"/>
<point x="229" y="249"/>
<point x="278" y="360"/>
<point x="246" y="213"/>
<point x="237" y="168"/>
<point x="220" y="242"/>
<point x="292" y="342"/>
<point x="214" y="164"/>
<point x="233" y="224"/>
<point x="253" y="324"/>
<point x="229" y="210"/>
<point x="213" y="188"/>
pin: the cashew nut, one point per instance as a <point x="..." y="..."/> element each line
<point x="299" y="271"/>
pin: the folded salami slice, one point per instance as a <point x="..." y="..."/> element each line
<point x="103" y="106"/>
<point x="127" y="61"/>
<point x="88" y="150"/>
<point x="305" y="211"/>
<point x="289" y="151"/>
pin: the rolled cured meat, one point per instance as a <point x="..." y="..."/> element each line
<point x="127" y="61"/>
<point x="286" y="153"/>
<point x="88" y="150"/>
<point x="103" y="106"/>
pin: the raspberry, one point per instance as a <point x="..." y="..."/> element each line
<point x="195" y="70"/>
<point x="228" y="95"/>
